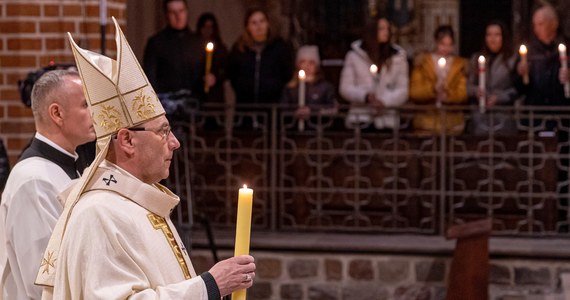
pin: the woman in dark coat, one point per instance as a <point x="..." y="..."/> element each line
<point x="260" y="64"/>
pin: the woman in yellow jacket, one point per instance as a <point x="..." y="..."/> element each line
<point x="439" y="78"/>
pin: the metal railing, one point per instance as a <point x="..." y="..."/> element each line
<point x="510" y="164"/>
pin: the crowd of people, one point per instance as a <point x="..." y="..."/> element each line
<point x="68" y="231"/>
<point x="377" y="76"/>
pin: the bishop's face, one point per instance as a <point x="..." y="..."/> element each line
<point x="155" y="147"/>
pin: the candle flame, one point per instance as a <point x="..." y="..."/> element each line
<point x="302" y="75"/>
<point x="245" y="186"/>
<point x="523" y="50"/>
<point x="562" y="48"/>
<point x="441" y="62"/>
<point x="210" y="47"/>
<point x="481" y="59"/>
<point x="373" y="69"/>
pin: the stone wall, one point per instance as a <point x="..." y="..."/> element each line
<point x="32" y="34"/>
<point x="332" y="276"/>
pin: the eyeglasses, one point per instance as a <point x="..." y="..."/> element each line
<point x="163" y="131"/>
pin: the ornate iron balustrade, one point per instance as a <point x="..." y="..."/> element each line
<point x="337" y="179"/>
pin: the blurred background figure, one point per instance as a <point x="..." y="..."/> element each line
<point x="500" y="76"/>
<point x="174" y="62"/>
<point x="319" y="93"/>
<point x="375" y="78"/>
<point x="208" y="31"/>
<point x="546" y="78"/>
<point x="439" y="78"/>
<point x="260" y="62"/>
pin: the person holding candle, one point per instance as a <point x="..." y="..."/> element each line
<point x="499" y="75"/>
<point x="209" y="32"/>
<point x="546" y="75"/>
<point x="174" y="58"/>
<point x="319" y="93"/>
<point x="115" y="239"/>
<point x="374" y="92"/>
<point x="439" y="78"/>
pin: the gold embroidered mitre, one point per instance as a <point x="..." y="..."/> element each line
<point x="118" y="91"/>
<point x="119" y="96"/>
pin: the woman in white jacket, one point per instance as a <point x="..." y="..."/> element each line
<point x="374" y="79"/>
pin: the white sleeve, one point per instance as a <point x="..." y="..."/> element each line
<point x="399" y="94"/>
<point x="29" y="224"/>
<point x="350" y="88"/>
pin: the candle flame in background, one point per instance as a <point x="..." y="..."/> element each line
<point x="373" y="69"/>
<point x="210" y="47"/>
<point x="562" y="48"/>
<point x="441" y="62"/>
<point x="302" y="74"/>
<point x="482" y="59"/>
<point x="245" y="186"/>
<point x="523" y="50"/>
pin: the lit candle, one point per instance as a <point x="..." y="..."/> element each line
<point x="441" y="63"/>
<point x="209" y="52"/>
<point x="374" y="70"/>
<point x="523" y="52"/>
<point x="243" y="229"/>
<point x="564" y="64"/>
<point x="482" y="83"/>
<point x="374" y="73"/>
<point x="301" y="96"/>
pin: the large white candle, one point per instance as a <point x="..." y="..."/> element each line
<point x="564" y="65"/>
<point x="523" y="52"/>
<point x="301" y="96"/>
<point x="482" y="84"/>
<point x="243" y="229"/>
<point x="441" y="63"/>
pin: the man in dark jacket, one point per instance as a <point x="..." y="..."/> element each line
<point x="546" y="77"/>
<point x="174" y="57"/>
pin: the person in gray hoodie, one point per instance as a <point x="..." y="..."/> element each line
<point x="499" y="86"/>
<point x="374" y="79"/>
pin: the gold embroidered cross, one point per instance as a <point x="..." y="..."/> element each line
<point x="159" y="223"/>
<point x="47" y="262"/>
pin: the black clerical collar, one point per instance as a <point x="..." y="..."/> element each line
<point x="41" y="149"/>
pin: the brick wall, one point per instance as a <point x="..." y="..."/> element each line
<point x="337" y="276"/>
<point x="33" y="33"/>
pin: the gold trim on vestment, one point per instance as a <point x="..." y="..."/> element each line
<point x="159" y="222"/>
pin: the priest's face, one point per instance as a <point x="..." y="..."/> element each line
<point x="155" y="150"/>
<point x="77" y="124"/>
